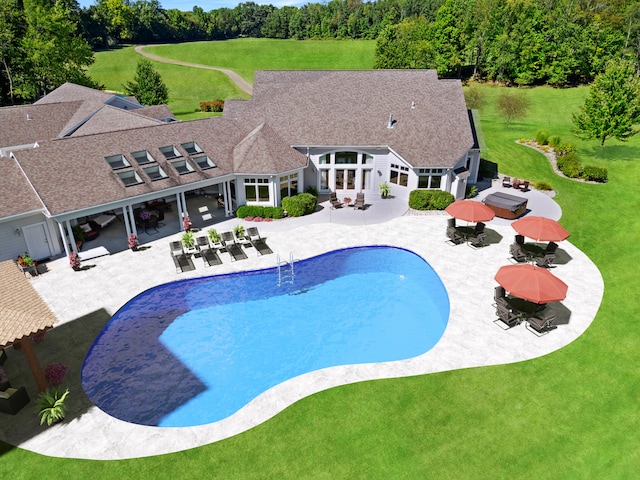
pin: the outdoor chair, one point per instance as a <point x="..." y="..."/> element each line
<point x="333" y="199"/>
<point x="359" y="203"/>
<point x="541" y="325"/>
<point x="499" y="293"/>
<point x="232" y="247"/>
<point x="478" y="237"/>
<point x="506" y="315"/>
<point x="202" y="242"/>
<point x="176" y="248"/>
<point x="258" y="242"/>
<point x="517" y="251"/>
<point x="524" y="186"/>
<point x="210" y="256"/>
<point x="451" y="222"/>
<point x="548" y="256"/>
<point x="3" y="357"/>
<point x="12" y="400"/>
<point x="506" y="182"/>
<point x="151" y="224"/>
<point x="454" y="236"/>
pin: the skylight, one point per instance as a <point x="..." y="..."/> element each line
<point x="129" y="178"/>
<point x="117" y="161"/>
<point x="191" y="148"/>
<point x="155" y="173"/>
<point x="170" y="152"/>
<point x="182" y="167"/>
<point x="204" y="162"/>
<point x="143" y="157"/>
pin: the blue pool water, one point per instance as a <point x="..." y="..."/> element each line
<point x="195" y="351"/>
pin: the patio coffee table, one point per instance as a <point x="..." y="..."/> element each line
<point x="505" y="205"/>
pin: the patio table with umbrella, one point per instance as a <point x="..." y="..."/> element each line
<point x="469" y="211"/>
<point x="540" y="229"/>
<point x="533" y="284"/>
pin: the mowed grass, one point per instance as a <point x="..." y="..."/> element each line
<point x="189" y="86"/>
<point x="572" y="414"/>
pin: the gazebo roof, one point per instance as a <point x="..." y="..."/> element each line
<point x="22" y="311"/>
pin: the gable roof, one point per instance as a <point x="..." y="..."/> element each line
<point x="263" y="151"/>
<point x="352" y="108"/>
<point x="111" y="119"/>
<point x="16" y="195"/>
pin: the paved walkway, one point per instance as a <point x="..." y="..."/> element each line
<point x="84" y="302"/>
<point x="235" y="78"/>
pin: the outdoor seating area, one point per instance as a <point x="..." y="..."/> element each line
<point x="469" y="211"/>
<point x="522" y="185"/>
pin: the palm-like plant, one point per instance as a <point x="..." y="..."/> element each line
<point x="238" y="231"/>
<point x="188" y="239"/>
<point x="214" y="236"/>
<point x="50" y="405"/>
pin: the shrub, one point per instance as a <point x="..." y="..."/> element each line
<point x="246" y="211"/>
<point x="301" y="204"/>
<point x="430" y="199"/>
<point x="542" y="137"/>
<point x="471" y="191"/>
<point x="312" y="190"/>
<point x="554" y="141"/>
<point x="569" y="164"/>
<point x="564" y="148"/>
<point x="54" y="373"/>
<point x="543" y="186"/>
<point x="595" y="174"/>
<point x="213" y="106"/>
<point x="50" y="405"/>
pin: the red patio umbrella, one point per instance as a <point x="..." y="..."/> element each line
<point x="540" y="229"/>
<point x="532" y="283"/>
<point x="470" y="211"/>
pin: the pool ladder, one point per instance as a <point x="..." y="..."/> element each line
<point x="285" y="270"/>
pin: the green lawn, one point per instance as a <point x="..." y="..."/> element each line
<point x="572" y="414"/>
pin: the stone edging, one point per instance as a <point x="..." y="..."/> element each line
<point x="551" y="156"/>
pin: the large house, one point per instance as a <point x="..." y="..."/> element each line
<point x="78" y="153"/>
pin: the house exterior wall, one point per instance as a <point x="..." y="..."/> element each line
<point x="13" y="244"/>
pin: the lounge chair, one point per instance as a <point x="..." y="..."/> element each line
<point x="478" y="237"/>
<point x="176" y="248"/>
<point x="541" y="325"/>
<point x="202" y="243"/>
<point x="210" y="256"/>
<point x="506" y="315"/>
<point x="181" y="260"/>
<point x="359" y="201"/>
<point x="13" y="399"/>
<point x="506" y="182"/>
<point x="548" y="256"/>
<point x="335" y="203"/>
<point x="257" y="241"/>
<point x="232" y="247"/>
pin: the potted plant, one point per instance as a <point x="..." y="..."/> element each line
<point x="385" y="189"/>
<point x="186" y="223"/>
<point x="214" y="236"/>
<point x="50" y="405"/>
<point x="346" y="200"/>
<point x="133" y="242"/>
<point x="74" y="261"/>
<point x="238" y="231"/>
<point x="188" y="239"/>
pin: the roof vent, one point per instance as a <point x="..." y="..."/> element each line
<point x="391" y="121"/>
<point x="413" y="105"/>
<point x="28" y="116"/>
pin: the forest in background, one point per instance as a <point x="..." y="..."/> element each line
<point x="44" y="43"/>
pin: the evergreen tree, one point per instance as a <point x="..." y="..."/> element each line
<point x="613" y="106"/>
<point x="147" y="85"/>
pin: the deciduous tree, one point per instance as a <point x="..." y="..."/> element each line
<point x="613" y="106"/>
<point x="512" y="106"/>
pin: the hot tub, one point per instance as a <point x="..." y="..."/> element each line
<point x="505" y="205"/>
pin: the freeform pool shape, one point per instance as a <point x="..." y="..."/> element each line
<point x="195" y="351"/>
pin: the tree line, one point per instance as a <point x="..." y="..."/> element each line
<point x="525" y="42"/>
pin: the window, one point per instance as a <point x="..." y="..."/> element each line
<point x="191" y="148"/>
<point x="129" y="178"/>
<point x="170" y="152"/>
<point x="182" y="167"/>
<point x="430" y="178"/>
<point x="346" y="157"/>
<point x="155" y="173"/>
<point x="204" y="162"/>
<point x="399" y="175"/>
<point x="324" y="179"/>
<point x="367" y="159"/>
<point x="117" y="161"/>
<point x="256" y="189"/>
<point x="143" y="157"/>
<point x="289" y="185"/>
<point x="366" y="180"/>
<point x="324" y="159"/>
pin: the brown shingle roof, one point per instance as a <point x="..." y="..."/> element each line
<point x="111" y="119"/>
<point x="264" y="151"/>
<point x="34" y="123"/>
<point x="352" y="108"/>
<point x="22" y="311"/>
<point x="16" y="195"/>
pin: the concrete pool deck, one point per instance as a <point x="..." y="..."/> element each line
<point x="84" y="302"/>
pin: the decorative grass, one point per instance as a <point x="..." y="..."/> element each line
<point x="572" y="414"/>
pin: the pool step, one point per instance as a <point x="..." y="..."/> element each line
<point x="285" y="270"/>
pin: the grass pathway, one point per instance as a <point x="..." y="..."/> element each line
<point x="237" y="79"/>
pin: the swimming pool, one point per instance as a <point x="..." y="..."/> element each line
<point x="196" y="351"/>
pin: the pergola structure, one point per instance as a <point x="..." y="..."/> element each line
<point x="23" y="313"/>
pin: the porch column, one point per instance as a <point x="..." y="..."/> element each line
<point x="228" y="207"/>
<point x="63" y="236"/>
<point x="34" y="365"/>
<point x="126" y="221"/>
<point x="72" y="239"/>
<point x="132" y="222"/>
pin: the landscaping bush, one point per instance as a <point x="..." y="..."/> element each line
<point x="213" y="106"/>
<point x="298" y="205"/>
<point x="554" y="141"/>
<point x="569" y="164"/>
<point x="471" y="191"/>
<point x="260" y="211"/>
<point x="312" y="190"/>
<point x="595" y="174"/>
<point x="430" y="199"/>
<point x="542" y="137"/>
<point x="543" y="186"/>
<point x="564" y="148"/>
